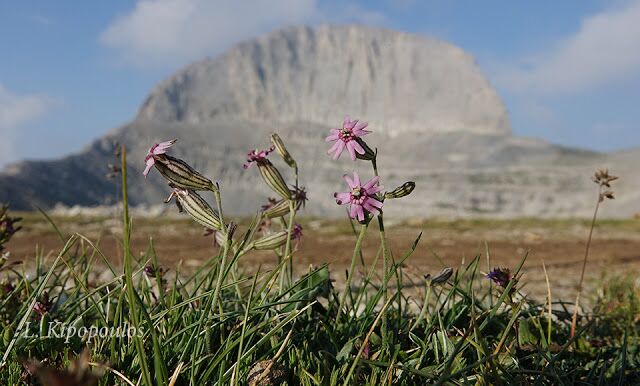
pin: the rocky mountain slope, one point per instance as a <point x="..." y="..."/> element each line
<point x="435" y="117"/>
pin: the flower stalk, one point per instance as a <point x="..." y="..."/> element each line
<point x="356" y="253"/>
<point x="603" y="179"/>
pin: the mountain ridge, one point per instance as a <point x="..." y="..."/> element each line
<point x="435" y="119"/>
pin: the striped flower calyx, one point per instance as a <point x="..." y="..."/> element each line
<point x="196" y="207"/>
<point x="278" y="144"/>
<point x="180" y="174"/>
<point x="175" y="170"/>
<point x="277" y="239"/>
<point x="279" y="208"/>
<point x="270" y="174"/>
<point x="401" y="191"/>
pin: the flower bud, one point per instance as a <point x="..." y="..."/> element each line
<point x="180" y="174"/>
<point x="440" y="278"/>
<point x="220" y="238"/>
<point x="197" y="208"/>
<point x="273" y="178"/>
<point x="282" y="150"/>
<point x="279" y="209"/>
<point x="271" y="241"/>
<point x="401" y="191"/>
<point x="369" y="154"/>
<point x="607" y="194"/>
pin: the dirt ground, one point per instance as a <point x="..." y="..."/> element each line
<point x="559" y="243"/>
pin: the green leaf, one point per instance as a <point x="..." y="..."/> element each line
<point x="343" y="354"/>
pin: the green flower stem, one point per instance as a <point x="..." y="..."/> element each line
<point x="128" y="274"/>
<point x="385" y="268"/>
<point x="425" y="306"/>
<point x="356" y="253"/>
<point x="225" y="251"/>
<point x="212" y="302"/>
<point x="574" y="318"/>
<point x="386" y="255"/>
<point x="287" y="267"/>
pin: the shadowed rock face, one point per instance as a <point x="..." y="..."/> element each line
<point x="435" y="118"/>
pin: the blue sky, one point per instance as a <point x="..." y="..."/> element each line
<point x="568" y="71"/>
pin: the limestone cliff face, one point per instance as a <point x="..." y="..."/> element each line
<point x="400" y="82"/>
<point x="436" y="121"/>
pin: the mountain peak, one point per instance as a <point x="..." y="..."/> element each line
<point x="400" y="82"/>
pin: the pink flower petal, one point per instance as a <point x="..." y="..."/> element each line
<point x="371" y="182"/>
<point x="162" y="147"/>
<point x="375" y="203"/>
<point x="353" y="211"/>
<point x="352" y="152"/>
<point x="339" y="150"/>
<point x="349" y="181"/>
<point x="360" y="133"/>
<point x="360" y="213"/>
<point x="332" y="137"/>
<point x="361" y="125"/>
<point x="334" y="147"/>
<point x="149" y="163"/>
<point x="371" y="209"/>
<point x="357" y="147"/>
<point x="342" y="198"/>
<point x="375" y="189"/>
<point x="356" y="179"/>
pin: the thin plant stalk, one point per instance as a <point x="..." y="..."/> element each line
<point x="128" y="274"/>
<point x="386" y="255"/>
<point x="550" y="315"/>
<point x="225" y="250"/>
<point x="356" y="253"/>
<point x="385" y="269"/>
<point x="574" y="318"/>
<point x="287" y="268"/>
<point x="425" y="306"/>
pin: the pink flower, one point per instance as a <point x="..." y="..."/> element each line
<point x="361" y="197"/>
<point x="347" y="138"/>
<point x="157" y="149"/>
<point x="257" y="156"/>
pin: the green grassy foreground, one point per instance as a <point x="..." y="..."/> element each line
<point x="464" y="335"/>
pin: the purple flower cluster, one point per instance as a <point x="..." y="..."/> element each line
<point x="363" y="199"/>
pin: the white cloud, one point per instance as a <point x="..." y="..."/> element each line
<point x="16" y="110"/>
<point x="158" y="33"/>
<point x="604" y="51"/>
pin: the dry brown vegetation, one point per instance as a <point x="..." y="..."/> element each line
<point x="560" y="243"/>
